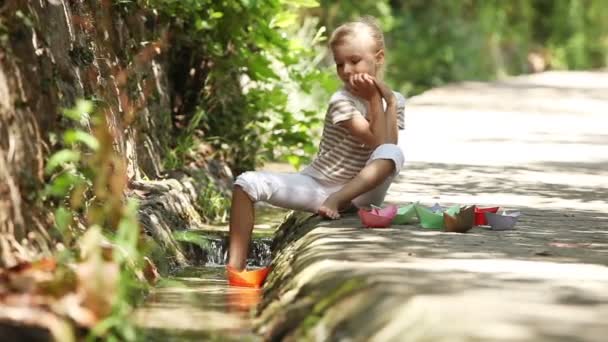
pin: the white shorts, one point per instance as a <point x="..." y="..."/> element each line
<point x="301" y="191"/>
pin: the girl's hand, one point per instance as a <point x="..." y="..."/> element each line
<point x="385" y="91"/>
<point x="363" y="86"/>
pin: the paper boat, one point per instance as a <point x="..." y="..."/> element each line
<point x="480" y="218"/>
<point x="388" y="211"/>
<point x="253" y="278"/>
<point x="428" y="218"/>
<point x="378" y="217"/>
<point x="406" y="215"/>
<point x="436" y="208"/>
<point x="502" y="221"/>
<point x="434" y="220"/>
<point x="460" y="222"/>
<point x="453" y="210"/>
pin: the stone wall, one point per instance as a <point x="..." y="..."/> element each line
<point x="53" y="53"/>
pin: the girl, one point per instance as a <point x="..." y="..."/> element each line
<point x="358" y="155"/>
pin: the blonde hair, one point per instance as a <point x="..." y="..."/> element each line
<point x="368" y="23"/>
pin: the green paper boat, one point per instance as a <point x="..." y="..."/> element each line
<point x="429" y="219"/>
<point x="434" y="220"/>
<point x="453" y="210"/>
<point x="406" y="215"/>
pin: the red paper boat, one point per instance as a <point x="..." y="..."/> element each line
<point x="253" y="278"/>
<point x="378" y="217"/>
<point x="480" y="218"/>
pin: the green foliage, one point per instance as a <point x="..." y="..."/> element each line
<point x="185" y="142"/>
<point x="258" y="72"/>
<point x="87" y="180"/>
<point x="252" y="68"/>
<point x="435" y="42"/>
<point x="213" y="204"/>
<point x="62" y="158"/>
<point x="192" y="237"/>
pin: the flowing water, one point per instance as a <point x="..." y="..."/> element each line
<point x="217" y="251"/>
<point x="196" y="303"/>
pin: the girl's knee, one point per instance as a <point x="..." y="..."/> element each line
<point x="390" y="152"/>
<point x="252" y="184"/>
<point x="388" y="148"/>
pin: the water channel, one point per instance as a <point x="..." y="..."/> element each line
<point x="196" y="303"/>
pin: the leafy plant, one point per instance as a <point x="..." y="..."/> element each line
<point x="87" y="180"/>
<point x="213" y="204"/>
<point x="250" y="70"/>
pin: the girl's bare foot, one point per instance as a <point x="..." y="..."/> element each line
<point x="331" y="207"/>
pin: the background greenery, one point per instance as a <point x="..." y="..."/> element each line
<point x="266" y="80"/>
<point x="439" y="41"/>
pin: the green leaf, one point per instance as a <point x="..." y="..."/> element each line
<point x="284" y="19"/>
<point x="201" y="24"/>
<point x="72" y="136"/>
<point x="127" y="234"/>
<point x="60" y="158"/>
<point x="63" y="218"/>
<point x="192" y="237"/>
<point x="216" y="15"/>
<point x="294" y="160"/>
<point x="82" y="110"/>
<point x="302" y="3"/>
<point x="62" y="184"/>
<point x="260" y="66"/>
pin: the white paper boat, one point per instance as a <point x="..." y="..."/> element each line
<point x="503" y="221"/>
<point x="436" y="208"/>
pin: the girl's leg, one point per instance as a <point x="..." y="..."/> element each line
<point x="375" y="196"/>
<point x="372" y="175"/>
<point x="385" y="162"/>
<point x="242" y="216"/>
<point x="285" y="190"/>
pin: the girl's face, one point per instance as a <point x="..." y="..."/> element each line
<point x="357" y="54"/>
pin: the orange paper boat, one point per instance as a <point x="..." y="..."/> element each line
<point x="378" y="217"/>
<point x="460" y="222"/>
<point x="253" y="278"/>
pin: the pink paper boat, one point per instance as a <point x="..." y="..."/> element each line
<point x="378" y="217"/>
<point x="388" y="211"/>
<point x="502" y="221"/>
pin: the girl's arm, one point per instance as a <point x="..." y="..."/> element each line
<point x="377" y="120"/>
<point x="392" y="134"/>
<point x="372" y="133"/>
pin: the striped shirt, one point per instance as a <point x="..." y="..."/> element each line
<point x="341" y="156"/>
